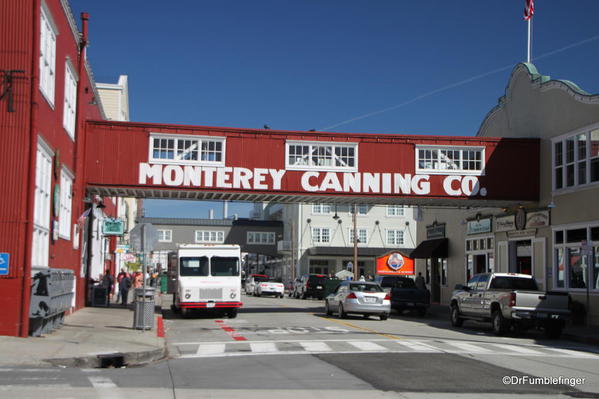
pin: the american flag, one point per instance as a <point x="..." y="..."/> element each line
<point x="529" y="9"/>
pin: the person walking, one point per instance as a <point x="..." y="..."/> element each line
<point x="108" y="284"/>
<point x="420" y="282"/>
<point x="124" y="286"/>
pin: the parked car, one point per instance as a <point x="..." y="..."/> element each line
<point x="361" y="297"/>
<point x="250" y="283"/>
<point x="509" y="299"/>
<point x="271" y="287"/>
<point x="406" y="296"/>
<point x="312" y="286"/>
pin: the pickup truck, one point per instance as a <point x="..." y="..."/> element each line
<point x="404" y="294"/>
<point x="509" y="300"/>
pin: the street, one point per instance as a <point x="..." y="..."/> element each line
<point x="288" y="348"/>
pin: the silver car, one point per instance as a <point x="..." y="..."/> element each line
<point x="361" y="297"/>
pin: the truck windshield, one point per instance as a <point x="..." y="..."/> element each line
<point x="196" y="266"/>
<point x="514" y="283"/>
<point x="405" y="283"/>
<point x="224" y="266"/>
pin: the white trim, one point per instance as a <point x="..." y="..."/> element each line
<point x="448" y="172"/>
<point x="64" y="230"/>
<point x="70" y="98"/>
<point x="355" y="147"/>
<point x="47" y="64"/>
<point x="403" y="207"/>
<point x="403" y="236"/>
<point x="199" y="162"/>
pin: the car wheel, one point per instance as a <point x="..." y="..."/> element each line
<point x="454" y="316"/>
<point x="185" y="313"/>
<point x="342" y="314"/>
<point x="384" y="316"/>
<point x="232" y="313"/>
<point x="500" y="324"/>
<point x="258" y="294"/>
<point x="327" y="308"/>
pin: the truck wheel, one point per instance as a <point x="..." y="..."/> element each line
<point x="454" y="316"/>
<point x="342" y="314"/>
<point x="500" y="324"/>
<point x="232" y="313"/>
<point x="185" y="313"/>
<point x="327" y="309"/>
<point x="553" y="330"/>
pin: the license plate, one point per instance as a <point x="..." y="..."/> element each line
<point x="370" y="299"/>
<point x="210" y="304"/>
<point x="319" y="287"/>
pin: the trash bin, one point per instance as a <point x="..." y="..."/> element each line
<point x="51" y="296"/>
<point x="163" y="283"/>
<point x="143" y="309"/>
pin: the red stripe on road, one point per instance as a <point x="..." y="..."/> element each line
<point x="230" y="330"/>
<point x="160" y="329"/>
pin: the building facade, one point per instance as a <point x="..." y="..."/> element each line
<point x="555" y="239"/>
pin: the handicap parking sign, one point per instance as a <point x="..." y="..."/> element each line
<point x="4" y="257"/>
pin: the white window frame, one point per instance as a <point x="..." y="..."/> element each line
<point x="209" y="236"/>
<point x="576" y="162"/>
<point x="396" y="233"/>
<point x="198" y="147"/>
<point x="70" y="99"/>
<point x="47" y="61"/>
<point x="396" y="210"/>
<point x="321" y="209"/>
<point x="318" y="235"/>
<point x="261" y="237"/>
<point x="165" y="235"/>
<point x="66" y="204"/>
<point x="565" y="246"/>
<point x="360" y="231"/>
<point x="361" y="208"/>
<point x="459" y="170"/>
<point x="40" y="248"/>
<point x="331" y="154"/>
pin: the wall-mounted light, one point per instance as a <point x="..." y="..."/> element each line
<point x="308" y="220"/>
<point x="336" y="216"/>
<point x="376" y="222"/>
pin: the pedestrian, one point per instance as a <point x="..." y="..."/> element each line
<point x="420" y="284"/>
<point x="108" y="284"/>
<point x="119" y="277"/>
<point x="124" y="286"/>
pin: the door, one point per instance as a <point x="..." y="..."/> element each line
<point x="502" y="257"/>
<point x="477" y="304"/>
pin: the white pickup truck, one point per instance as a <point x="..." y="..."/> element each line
<point x="509" y="299"/>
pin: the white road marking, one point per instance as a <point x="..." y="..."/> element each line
<point x="368" y="346"/>
<point x="573" y="353"/>
<point x="105" y="387"/>
<point x="312" y="346"/>
<point x="417" y="346"/>
<point x="518" y="349"/>
<point x="468" y="348"/>
<point x="210" y="349"/>
<point x="101" y="382"/>
<point x="263" y="347"/>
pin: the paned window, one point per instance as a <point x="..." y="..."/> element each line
<point x="165" y="235"/>
<point x="450" y="160"/>
<point x="47" y="56"/>
<point x="70" y="100"/>
<point x="362" y="236"/>
<point x="261" y="237"/>
<point x="395" y="237"/>
<point x="210" y="236"/>
<point x="576" y="159"/>
<point x="321" y="209"/>
<point x="575" y="266"/>
<point x="322" y="156"/>
<point x="190" y="150"/>
<point x="395" y="210"/>
<point x="41" y="212"/>
<point x="321" y="235"/>
<point x="66" y="201"/>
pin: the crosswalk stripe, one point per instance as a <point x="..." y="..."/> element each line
<point x="570" y="352"/>
<point x="468" y="347"/>
<point x="518" y="349"/>
<point x="210" y="349"/>
<point x="418" y="346"/>
<point x="312" y="346"/>
<point x="263" y="347"/>
<point x="367" y="346"/>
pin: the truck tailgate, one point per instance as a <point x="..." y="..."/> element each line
<point x="554" y="301"/>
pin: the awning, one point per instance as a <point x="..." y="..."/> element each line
<point x="436" y="248"/>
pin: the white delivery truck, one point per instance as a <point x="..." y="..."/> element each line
<point x="207" y="277"/>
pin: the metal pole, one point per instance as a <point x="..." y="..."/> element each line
<point x="292" y="251"/>
<point x="529" y="47"/>
<point x="142" y="306"/>
<point x="356" y="271"/>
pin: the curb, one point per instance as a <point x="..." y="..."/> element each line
<point x="581" y="339"/>
<point x="129" y="359"/>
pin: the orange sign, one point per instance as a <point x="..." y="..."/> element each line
<point x="394" y="264"/>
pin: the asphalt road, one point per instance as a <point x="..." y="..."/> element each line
<point x="288" y="348"/>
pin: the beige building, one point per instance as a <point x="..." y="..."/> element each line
<point x="555" y="239"/>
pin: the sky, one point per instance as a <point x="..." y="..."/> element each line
<point x="381" y="66"/>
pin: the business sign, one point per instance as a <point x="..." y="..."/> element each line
<point x="113" y="227"/>
<point x="479" y="226"/>
<point x="4" y="263"/>
<point x="394" y="264"/>
<point x="537" y="219"/>
<point x="435" y="230"/>
<point x="505" y="223"/>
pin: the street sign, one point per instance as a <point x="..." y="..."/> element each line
<point x="143" y="237"/>
<point x="4" y="263"/>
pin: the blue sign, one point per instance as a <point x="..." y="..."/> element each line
<point x="4" y="257"/>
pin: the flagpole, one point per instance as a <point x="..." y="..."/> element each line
<point x="528" y="55"/>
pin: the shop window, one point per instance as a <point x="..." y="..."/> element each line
<point x="576" y="236"/>
<point x="304" y="155"/>
<point x="595" y="279"/>
<point x="561" y="268"/>
<point x="427" y="277"/>
<point x="578" y="268"/>
<point x="573" y="268"/>
<point x="443" y="271"/>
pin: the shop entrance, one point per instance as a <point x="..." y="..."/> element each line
<point x="520" y="257"/>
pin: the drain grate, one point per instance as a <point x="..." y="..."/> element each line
<point x="116" y="360"/>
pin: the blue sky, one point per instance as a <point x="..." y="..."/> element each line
<point x="316" y="64"/>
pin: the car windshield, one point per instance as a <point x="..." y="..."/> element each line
<point x="514" y="283"/>
<point x="317" y="279"/>
<point x="405" y="283"/>
<point x="197" y="266"/>
<point x="224" y="266"/>
<point x="365" y="287"/>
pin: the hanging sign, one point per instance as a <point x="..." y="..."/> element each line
<point x="394" y="264"/>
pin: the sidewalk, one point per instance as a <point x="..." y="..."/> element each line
<point x="88" y="336"/>
<point x="581" y="334"/>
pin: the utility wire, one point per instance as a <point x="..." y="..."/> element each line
<point x="456" y="84"/>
